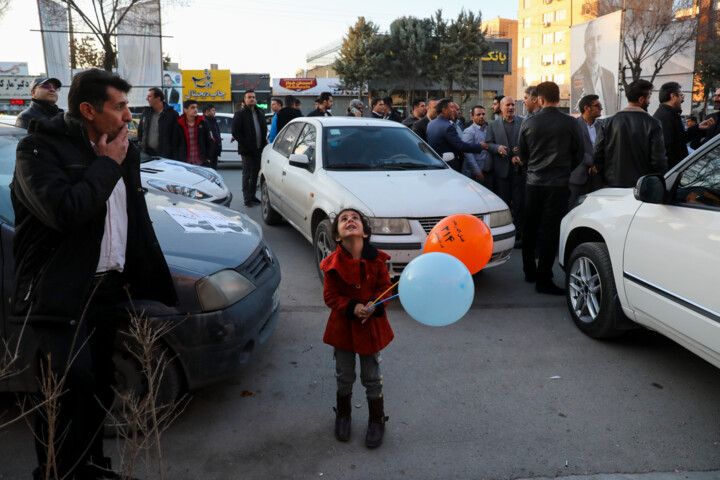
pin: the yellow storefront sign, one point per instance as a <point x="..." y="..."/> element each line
<point x="206" y="85"/>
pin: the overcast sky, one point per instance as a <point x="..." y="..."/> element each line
<point x="247" y="37"/>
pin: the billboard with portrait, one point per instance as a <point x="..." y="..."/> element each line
<point x="595" y="60"/>
<point x="172" y="88"/>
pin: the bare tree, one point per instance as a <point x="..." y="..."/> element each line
<point x="654" y="32"/>
<point x="4" y="7"/>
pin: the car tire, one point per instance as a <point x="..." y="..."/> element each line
<point x="129" y="377"/>
<point x="592" y="293"/>
<point x="323" y="244"/>
<point x="269" y="215"/>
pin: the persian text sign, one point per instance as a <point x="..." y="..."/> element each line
<point x="206" y="85"/>
<point x="298" y="84"/>
<point x="16" y="86"/>
<point x="311" y="86"/>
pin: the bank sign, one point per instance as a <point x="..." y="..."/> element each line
<point x="206" y="85"/>
<point x="497" y="61"/>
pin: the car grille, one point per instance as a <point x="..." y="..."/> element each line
<point x="428" y="223"/>
<point x="258" y="263"/>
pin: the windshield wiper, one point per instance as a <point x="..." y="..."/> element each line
<point x="348" y="165"/>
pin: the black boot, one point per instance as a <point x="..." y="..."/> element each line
<point x="343" y="420"/>
<point x="376" y="423"/>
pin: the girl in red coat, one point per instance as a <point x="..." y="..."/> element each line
<point x="355" y="275"/>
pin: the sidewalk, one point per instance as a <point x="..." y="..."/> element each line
<point x="714" y="475"/>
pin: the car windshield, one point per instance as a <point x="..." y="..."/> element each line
<point x="8" y="146"/>
<point x="377" y="148"/>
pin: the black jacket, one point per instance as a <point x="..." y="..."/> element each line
<point x="629" y="145"/>
<point x="205" y="143"/>
<point x="243" y="129"/>
<point x="420" y="127"/>
<point x="166" y="127"/>
<point x="216" y="137"/>
<point x="59" y="193"/>
<point x="674" y="133"/>
<point x="394" y="115"/>
<point x="550" y="145"/>
<point x="284" y="116"/>
<point x="319" y="113"/>
<point x="38" y="109"/>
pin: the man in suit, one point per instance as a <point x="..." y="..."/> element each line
<point x="584" y="178"/>
<point x="591" y="78"/>
<point x="172" y="95"/>
<point x="508" y="170"/>
<point x="420" y="127"/>
<point x="442" y="134"/>
<point x="378" y="108"/>
<point x="250" y="131"/>
<point x="550" y="146"/>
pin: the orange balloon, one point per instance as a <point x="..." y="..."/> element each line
<point x="463" y="236"/>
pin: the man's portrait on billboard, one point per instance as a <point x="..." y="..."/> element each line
<point x="592" y="77"/>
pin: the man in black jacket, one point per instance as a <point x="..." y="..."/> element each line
<point x="250" y="131"/>
<point x="287" y="113"/>
<point x="324" y="105"/>
<point x="44" y="92"/>
<point x="157" y="124"/>
<point x="630" y="143"/>
<point x="551" y="146"/>
<point x="390" y="112"/>
<point x="83" y="242"/>
<point x="420" y="127"/>
<point x="215" y="135"/>
<point x="674" y="133"/>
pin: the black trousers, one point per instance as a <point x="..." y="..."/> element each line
<point x="90" y="376"/>
<point x="545" y="208"/>
<point x="251" y="169"/>
<point x="512" y="191"/>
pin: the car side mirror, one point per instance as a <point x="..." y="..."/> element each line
<point x="448" y="157"/>
<point x="650" y="189"/>
<point x="299" y="160"/>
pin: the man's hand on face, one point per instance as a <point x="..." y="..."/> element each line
<point x="704" y="125"/>
<point x="117" y="149"/>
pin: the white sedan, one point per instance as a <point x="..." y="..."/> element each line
<point x="319" y="165"/>
<point x="650" y="256"/>
<point x="181" y="178"/>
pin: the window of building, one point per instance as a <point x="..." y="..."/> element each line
<point x="560" y="58"/>
<point x="559" y="78"/>
<point x="526" y="62"/>
<point x="560" y="15"/>
<point x="526" y="3"/>
<point x="526" y="42"/>
<point x="548" y="18"/>
<point x="526" y="22"/>
<point x="547" y="38"/>
<point x="560" y="36"/>
<point x="547" y="59"/>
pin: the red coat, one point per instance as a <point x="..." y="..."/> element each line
<point x="347" y="283"/>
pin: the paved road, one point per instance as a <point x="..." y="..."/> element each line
<point x="511" y="391"/>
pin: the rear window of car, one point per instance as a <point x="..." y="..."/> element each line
<point x="377" y="148"/>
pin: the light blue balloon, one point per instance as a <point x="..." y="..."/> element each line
<point x="436" y="289"/>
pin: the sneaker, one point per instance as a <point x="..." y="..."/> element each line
<point x="256" y="201"/>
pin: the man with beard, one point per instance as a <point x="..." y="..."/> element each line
<point x="419" y="111"/>
<point x="420" y="127"/>
<point x="591" y="78"/>
<point x="630" y="143"/>
<point x="715" y="128"/>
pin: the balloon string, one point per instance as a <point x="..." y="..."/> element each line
<point x="380" y="296"/>
<point x="382" y="301"/>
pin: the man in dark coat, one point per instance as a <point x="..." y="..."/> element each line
<point x="715" y="128"/>
<point x="390" y="112"/>
<point x="591" y="77"/>
<point x="669" y="113"/>
<point x="83" y="242"/>
<point x="551" y="146"/>
<point x="250" y="131"/>
<point x="287" y="113"/>
<point x="630" y="143"/>
<point x="420" y="127"/>
<point x="324" y="105"/>
<point x="44" y="92"/>
<point x="157" y="124"/>
<point x="418" y="112"/>
<point x="443" y="136"/>
<point x="209" y="116"/>
<point x="584" y="178"/>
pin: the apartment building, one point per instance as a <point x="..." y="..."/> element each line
<point x="544" y="41"/>
<point x="502" y="28"/>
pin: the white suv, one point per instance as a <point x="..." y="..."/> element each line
<point x="650" y="256"/>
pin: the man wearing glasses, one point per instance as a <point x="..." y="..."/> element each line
<point x="669" y="113"/>
<point x="44" y="92"/>
<point x="584" y="178"/>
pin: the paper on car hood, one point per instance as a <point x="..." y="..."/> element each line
<point x="417" y="193"/>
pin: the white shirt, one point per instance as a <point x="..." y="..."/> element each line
<point x="114" y="241"/>
<point x="591" y="131"/>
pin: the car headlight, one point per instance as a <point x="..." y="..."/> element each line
<point x="222" y="289"/>
<point x="499" y="219"/>
<point x="390" y="226"/>
<point x="183" y="190"/>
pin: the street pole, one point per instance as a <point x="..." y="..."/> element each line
<point x="480" y="82"/>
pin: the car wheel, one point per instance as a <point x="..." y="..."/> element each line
<point x="323" y="244"/>
<point x="269" y="215"/>
<point x="129" y="377"/>
<point x="591" y="291"/>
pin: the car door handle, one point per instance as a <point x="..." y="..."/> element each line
<point x="284" y="173"/>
